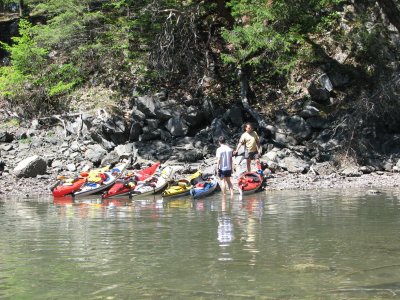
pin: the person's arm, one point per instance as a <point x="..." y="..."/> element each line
<point x="241" y="142"/>
<point x="218" y="161"/>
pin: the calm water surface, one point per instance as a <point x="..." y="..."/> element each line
<point x="274" y="245"/>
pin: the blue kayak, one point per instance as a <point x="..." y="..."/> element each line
<point x="205" y="187"/>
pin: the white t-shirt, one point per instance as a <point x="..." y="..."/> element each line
<point x="224" y="153"/>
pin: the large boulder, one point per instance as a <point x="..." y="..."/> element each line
<point x="150" y="134"/>
<point x="108" y="145"/>
<point x="95" y="153"/>
<point x="324" y="168"/>
<point x="294" y="164"/>
<point x="126" y="150"/>
<point x="194" y="116"/>
<point x="177" y="126"/>
<point x="116" y="130"/>
<point x="298" y="127"/>
<point x="147" y="105"/>
<point x="31" y="167"/>
<point x="170" y="109"/>
<point x="6" y="137"/>
<point x="235" y="116"/>
<point x="319" y="94"/>
<point x="218" y="128"/>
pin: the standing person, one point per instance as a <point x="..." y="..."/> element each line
<point x="251" y="141"/>
<point x="224" y="165"/>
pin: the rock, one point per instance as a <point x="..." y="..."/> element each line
<point x="294" y="164"/>
<point x="150" y="134"/>
<point x="147" y="105"/>
<point x="271" y="156"/>
<point x="2" y="165"/>
<point x="108" y="145"/>
<point x="317" y="122"/>
<point x="153" y="123"/>
<point x="298" y="127"/>
<point x="6" y="137"/>
<point x="339" y="80"/>
<point x="8" y="147"/>
<point x="177" y="126"/>
<point x="326" y="82"/>
<point x="135" y="132"/>
<point x="95" y="153"/>
<point x="309" y="111"/>
<point x="234" y="115"/>
<point x="137" y="115"/>
<point x="30" y="167"/>
<point x="115" y="130"/>
<point x="318" y="94"/>
<point x="217" y="129"/>
<point x="170" y="109"/>
<point x="161" y="95"/>
<point x="194" y="116"/>
<point x="351" y="171"/>
<point x="71" y="167"/>
<point x="190" y="155"/>
<point x="324" y="168"/>
<point x="367" y="169"/>
<point x="387" y="166"/>
<point x="57" y="164"/>
<point x="75" y="146"/>
<point x="126" y="150"/>
<point x="111" y="158"/>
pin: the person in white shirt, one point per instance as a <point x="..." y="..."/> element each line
<point x="224" y="165"/>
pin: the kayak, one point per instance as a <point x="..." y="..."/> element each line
<point x="67" y="186"/>
<point x="101" y="181"/>
<point x="154" y="184"/>
<point x="127" y="185"/>
<point x="180" y="187"/>
<point x="250" y="182"/>
<point x="205" y="187"/>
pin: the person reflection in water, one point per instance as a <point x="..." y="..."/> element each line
<point x="225" y="226"/>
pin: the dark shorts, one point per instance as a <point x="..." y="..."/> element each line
<point x="224" y="174"/>
<point x="251" y="155"/>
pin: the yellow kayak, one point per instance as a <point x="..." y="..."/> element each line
<point x="180" y="187"/>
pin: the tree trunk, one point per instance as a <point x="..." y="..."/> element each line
<point x="244" y="91"/>
<point x="21" y="8"/>
<point x="391" y="11"/>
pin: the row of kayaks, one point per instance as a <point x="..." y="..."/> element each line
<point x="119" y="181"/>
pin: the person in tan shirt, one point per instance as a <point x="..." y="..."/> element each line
<point x="251" y="142"/>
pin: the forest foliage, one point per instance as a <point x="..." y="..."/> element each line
<point x="149" y="44"/>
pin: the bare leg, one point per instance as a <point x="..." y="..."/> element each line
<point x="248" y="161"/>
<point x="223" y="185"/>
<point x="230" y="186"/>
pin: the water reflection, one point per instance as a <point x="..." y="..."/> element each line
<point x="225" y="225"/>
<point x="297" y="245"/>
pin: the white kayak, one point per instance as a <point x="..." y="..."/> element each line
<point x="154" y="184"/>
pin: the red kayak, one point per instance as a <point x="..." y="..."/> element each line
<point x="68" y="187"/>
<point x="128" y="184"/>
<point x="250" y="182"/>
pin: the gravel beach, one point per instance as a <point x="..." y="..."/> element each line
<point x="40" y="186"/>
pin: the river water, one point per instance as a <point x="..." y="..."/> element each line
<point x="270" y="245"/>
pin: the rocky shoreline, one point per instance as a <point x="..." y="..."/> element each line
<point x="372" y="183"/>
<point x="300" y="152"/>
